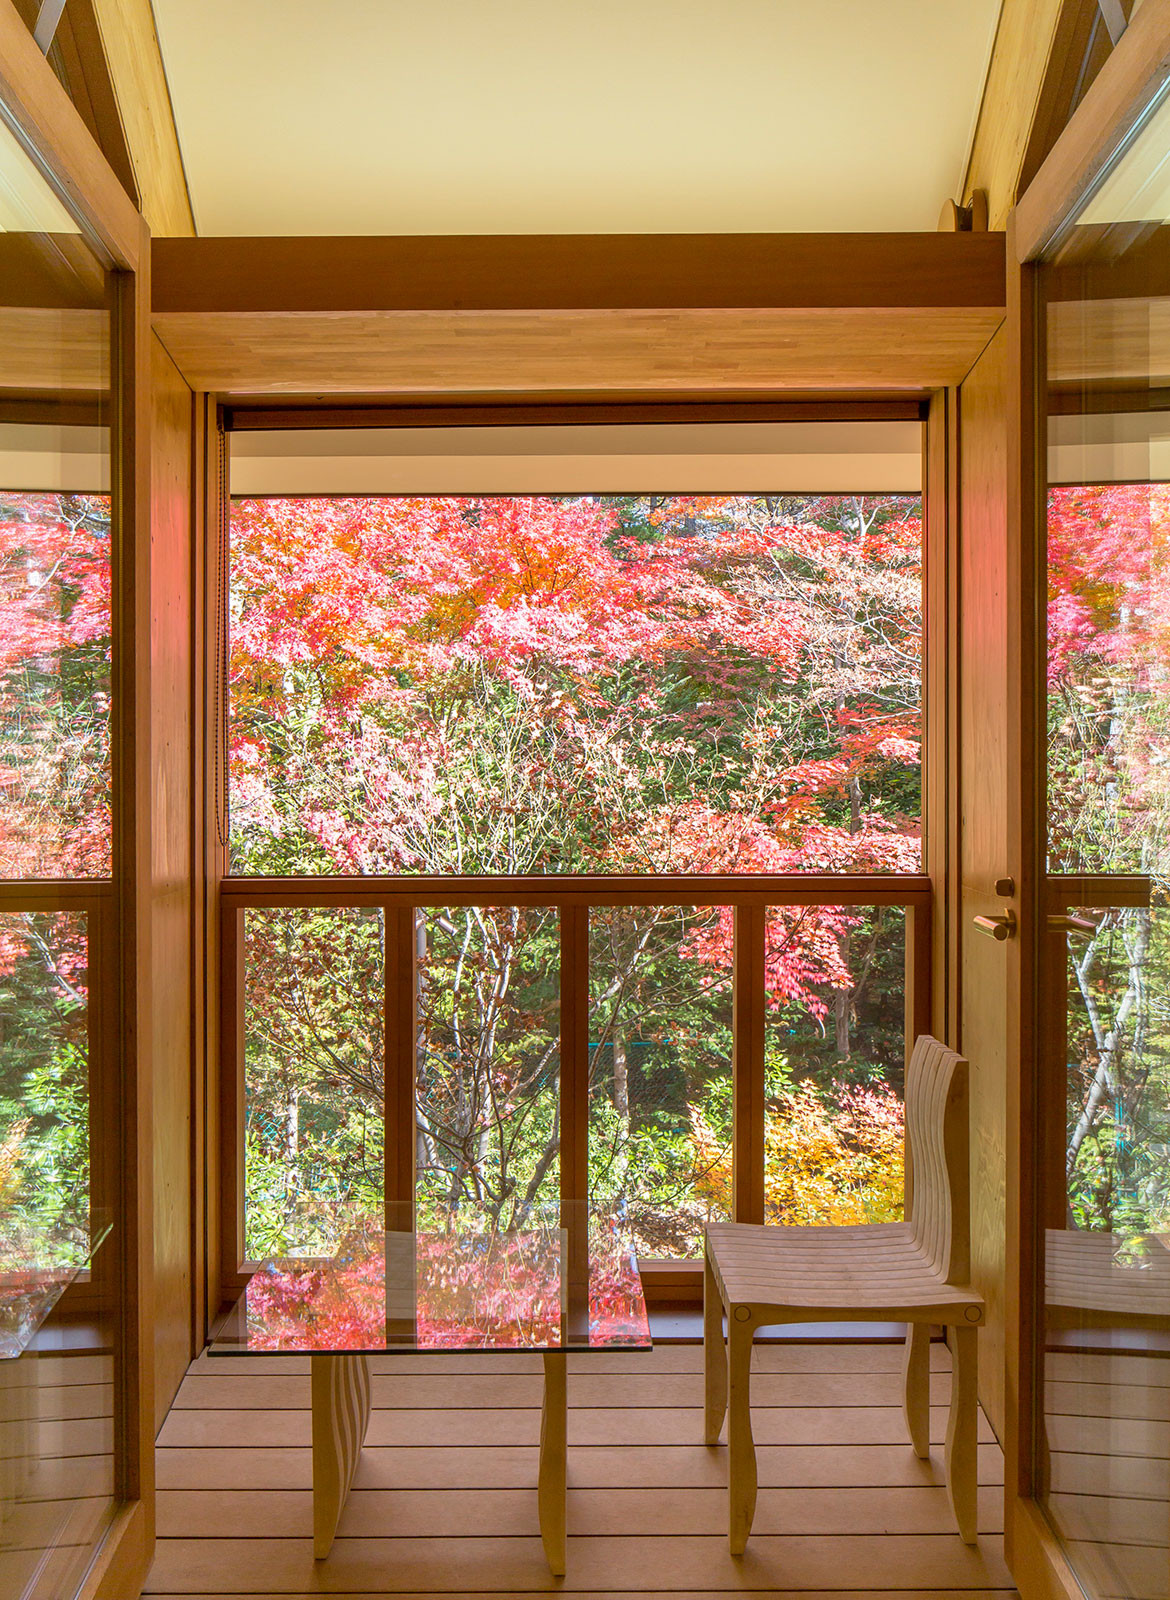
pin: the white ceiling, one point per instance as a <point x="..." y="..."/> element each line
<point x="573" y="116"/>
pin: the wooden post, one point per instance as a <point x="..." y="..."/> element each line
<point x="400" y="1043"/>
<point x="747" y="1163"/>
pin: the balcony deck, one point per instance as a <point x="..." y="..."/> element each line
<point x="444" y="1501"/>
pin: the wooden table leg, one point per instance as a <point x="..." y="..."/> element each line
<point x="341" y="1412"/>
<point x="554" y="1459"/>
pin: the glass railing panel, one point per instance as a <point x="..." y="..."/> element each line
<point x="1106" y="1396"/>
<point x="487" y="1116"/>
<point x="313" y="1075"/>
<point x="660" y="1047"/>
<point x="834" y="1063"/>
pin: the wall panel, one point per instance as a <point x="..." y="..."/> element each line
<point x="983" y="849"/>
<point x="172" y="792"/>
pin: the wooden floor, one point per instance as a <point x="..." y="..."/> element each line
<point x="445" y="1502"/>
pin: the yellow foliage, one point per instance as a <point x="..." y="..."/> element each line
<point x="10" y="1163"/>
<point x="824" y="1164"/>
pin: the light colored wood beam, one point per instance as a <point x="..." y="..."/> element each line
<point x="1011" y="97"/>
<point x="54" y="129"/>
<point x="576" y="352"/>
<point x="135" y="65"/>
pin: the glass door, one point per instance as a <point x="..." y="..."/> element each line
<point x="1103" y="1431"/>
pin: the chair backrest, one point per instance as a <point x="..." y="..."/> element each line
<point x="938" y="1159"/>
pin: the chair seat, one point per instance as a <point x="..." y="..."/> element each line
<point x="864" y="1273"/>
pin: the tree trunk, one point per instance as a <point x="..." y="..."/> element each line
<point x="621" y="1100"/>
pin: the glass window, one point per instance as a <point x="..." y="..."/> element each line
<point x="1104" y="1423"/>
<point x="575" y="684"/>
<point x="59" y="1128"/>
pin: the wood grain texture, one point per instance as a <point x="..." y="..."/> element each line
<point x="55" y="130"/>
<point x="643" y="1518"/>
<point x="134" y="61"/>
<point x="639" y="352"/>
<point x="1015" y="78"/>
<point x="578" y="272"/>
<point x="340" y="1391"/>
<point x="759" y="1276"/>
<point x="983" y="841"/>
<point x="171" y="646"/>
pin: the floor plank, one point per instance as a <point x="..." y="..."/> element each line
<point x="444" y="1497"/>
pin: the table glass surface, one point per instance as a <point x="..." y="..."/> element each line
<point x="535" y="1287"/>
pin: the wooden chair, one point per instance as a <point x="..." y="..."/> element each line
<point x="915" y="1271"/>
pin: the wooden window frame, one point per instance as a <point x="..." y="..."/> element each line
<point x="400" y="897"/>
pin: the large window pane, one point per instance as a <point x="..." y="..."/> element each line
<point x="488" y="1078"/>
<point x="44" y="1077"/>
<point x="575" y="684"/>
<point x="660" y="1105"/>
<point x="54" y="684"/>
<point x="1108" y="675"/>
<point x="1107" y="1419"/>
<point x="313" y="1077"/>
<point x="834" y="1064"/>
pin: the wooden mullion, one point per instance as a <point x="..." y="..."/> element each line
<point x="747" y="1162"/>
<point x="1086" y="889"/>
<point x="231" y="1101"/>
<point x="919" y="973"/>
<point x="400" y="1035"/>
<point x="574" y="1085"/>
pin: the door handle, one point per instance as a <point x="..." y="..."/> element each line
<point x="998" y="928"/>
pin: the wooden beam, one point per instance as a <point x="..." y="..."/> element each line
<point x="1123" y="89"/>
<point x="130" y="44"/>
<point x="585" y="353"/>
<point x="579" y="272"/>
<point x="1020" y="61"/>
<point x="695" y="314"/>
<point x="63" y="146"/>
<point x="532" y="412"/>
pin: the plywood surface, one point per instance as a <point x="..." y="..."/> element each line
<point x="769" y="350"/>
<point x="171" y="840"/>
<point x="645" y="1515"/>
<point x="983" y="843"/>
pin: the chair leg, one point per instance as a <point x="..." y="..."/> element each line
<point x="962" y="1460"/>
<point x="916" y="1386"/>
<point x="714" y="1358"/>
<point x="741" y="1464"/>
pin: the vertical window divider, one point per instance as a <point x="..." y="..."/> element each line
<point x="231" y="1094"/>
<point x="399" y="1050"/>
<point x="747" y="1069"/>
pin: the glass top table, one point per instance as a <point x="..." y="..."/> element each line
<point x="531" y="1288"/>
<point x="539" y="1287"/>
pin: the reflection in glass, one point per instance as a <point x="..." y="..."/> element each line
<point x="660" y="1108"/>
<point x="313" y="1077"/>
<point x="44" y="1078"/>
<point x="487" y="1084"/>
<point x="56" y="1476"/>
<point x="834" y="1064"/>
<point x="502" y="1289"/>
<point x="1108" y="673"/>
<point x="54" y="683"/>
<point x="59" y="1282"/>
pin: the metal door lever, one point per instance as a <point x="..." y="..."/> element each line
<point x="999" y="928"/>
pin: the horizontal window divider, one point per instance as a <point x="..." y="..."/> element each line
<point x="1093" y="889"/>
<point x="821" y="889"/>
<point x="46" y="895"/>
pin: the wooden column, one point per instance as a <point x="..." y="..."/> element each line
<point x="400" y="1043"/>
<point x="747" y="1164"/>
